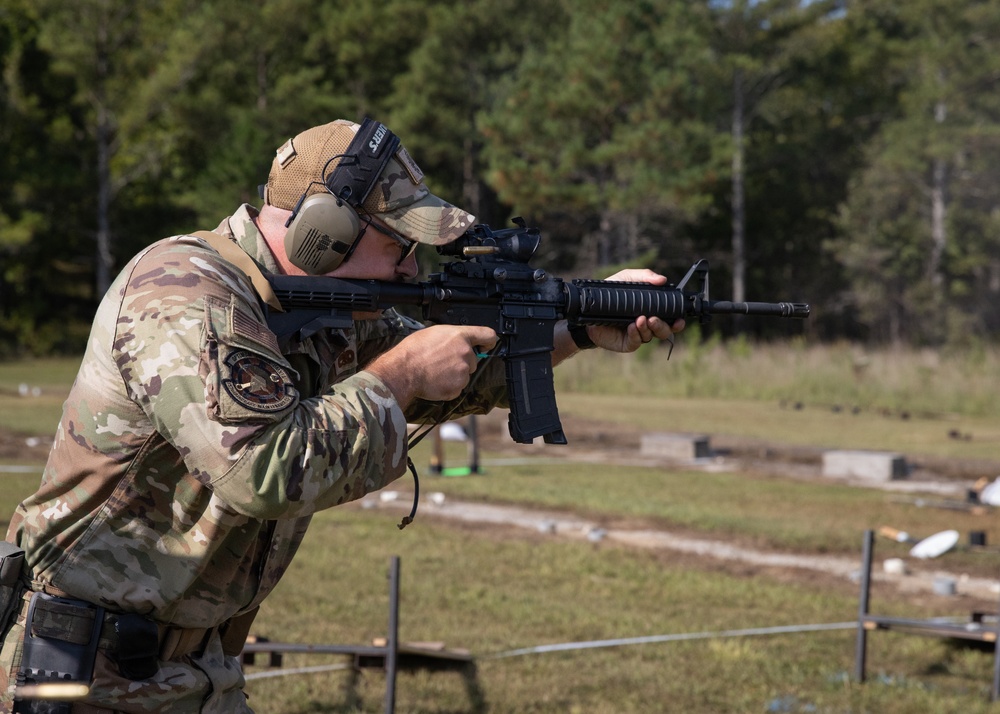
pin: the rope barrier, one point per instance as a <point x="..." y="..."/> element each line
<point x="596" y="644"/>
<point x="651" y="639"/>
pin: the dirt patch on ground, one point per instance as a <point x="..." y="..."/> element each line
<point x="704" y="551"/>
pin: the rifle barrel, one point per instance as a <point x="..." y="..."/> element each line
<point x="608" y="302"/>
<point x="778" y="309"/>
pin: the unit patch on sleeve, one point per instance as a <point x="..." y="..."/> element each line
<point x="257" y="383"/>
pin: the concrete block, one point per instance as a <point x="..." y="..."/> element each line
<point x="683" y="447"/>
<point x="876" y="466"/>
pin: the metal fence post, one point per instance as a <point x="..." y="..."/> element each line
<point x="392" y="643"/>
<point x="866" y="573"/>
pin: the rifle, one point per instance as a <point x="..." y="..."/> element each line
<point x="492" y="284"/>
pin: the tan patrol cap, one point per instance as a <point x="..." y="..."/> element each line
<point x="399" y="198"/>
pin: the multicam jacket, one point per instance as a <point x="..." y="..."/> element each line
<point x="192" y="452"/>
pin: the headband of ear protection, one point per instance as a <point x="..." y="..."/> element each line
<point x="324" y="227"/>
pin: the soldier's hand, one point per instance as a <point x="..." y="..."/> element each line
<point x="434" y="363"/>
<point x="644" y="329"/>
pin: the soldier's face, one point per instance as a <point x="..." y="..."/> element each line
<point x="377" y="256"/>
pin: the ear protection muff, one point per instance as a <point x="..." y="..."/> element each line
<point x="325" y="227"/>
<point x="321" y="233"/>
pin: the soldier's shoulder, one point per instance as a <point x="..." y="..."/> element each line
<point x="178" y="247"/>
<point x="182" y="262"/>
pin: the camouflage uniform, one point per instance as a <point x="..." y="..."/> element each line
<point x="192" y="454"/>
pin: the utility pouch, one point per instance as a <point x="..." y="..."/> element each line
<point x="60" y="645"/>
<point x="233" y="632"/>
<point x="138" y="646"/>
<point x="11" y="561"/>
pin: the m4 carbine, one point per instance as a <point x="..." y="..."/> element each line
<point x="491" y="283"/>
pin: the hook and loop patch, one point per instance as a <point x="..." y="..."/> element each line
<point x="257" y="383"/>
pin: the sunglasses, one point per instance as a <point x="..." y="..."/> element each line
<point x="406" y="246"/>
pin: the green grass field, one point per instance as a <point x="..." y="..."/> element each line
<point x="493" y="590"/>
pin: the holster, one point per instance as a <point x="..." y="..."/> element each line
<point x="57" y="649"/>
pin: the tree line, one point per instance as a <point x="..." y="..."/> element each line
<point x="837" y="152"/>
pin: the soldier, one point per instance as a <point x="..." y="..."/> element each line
<point x="194" y="447"/>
